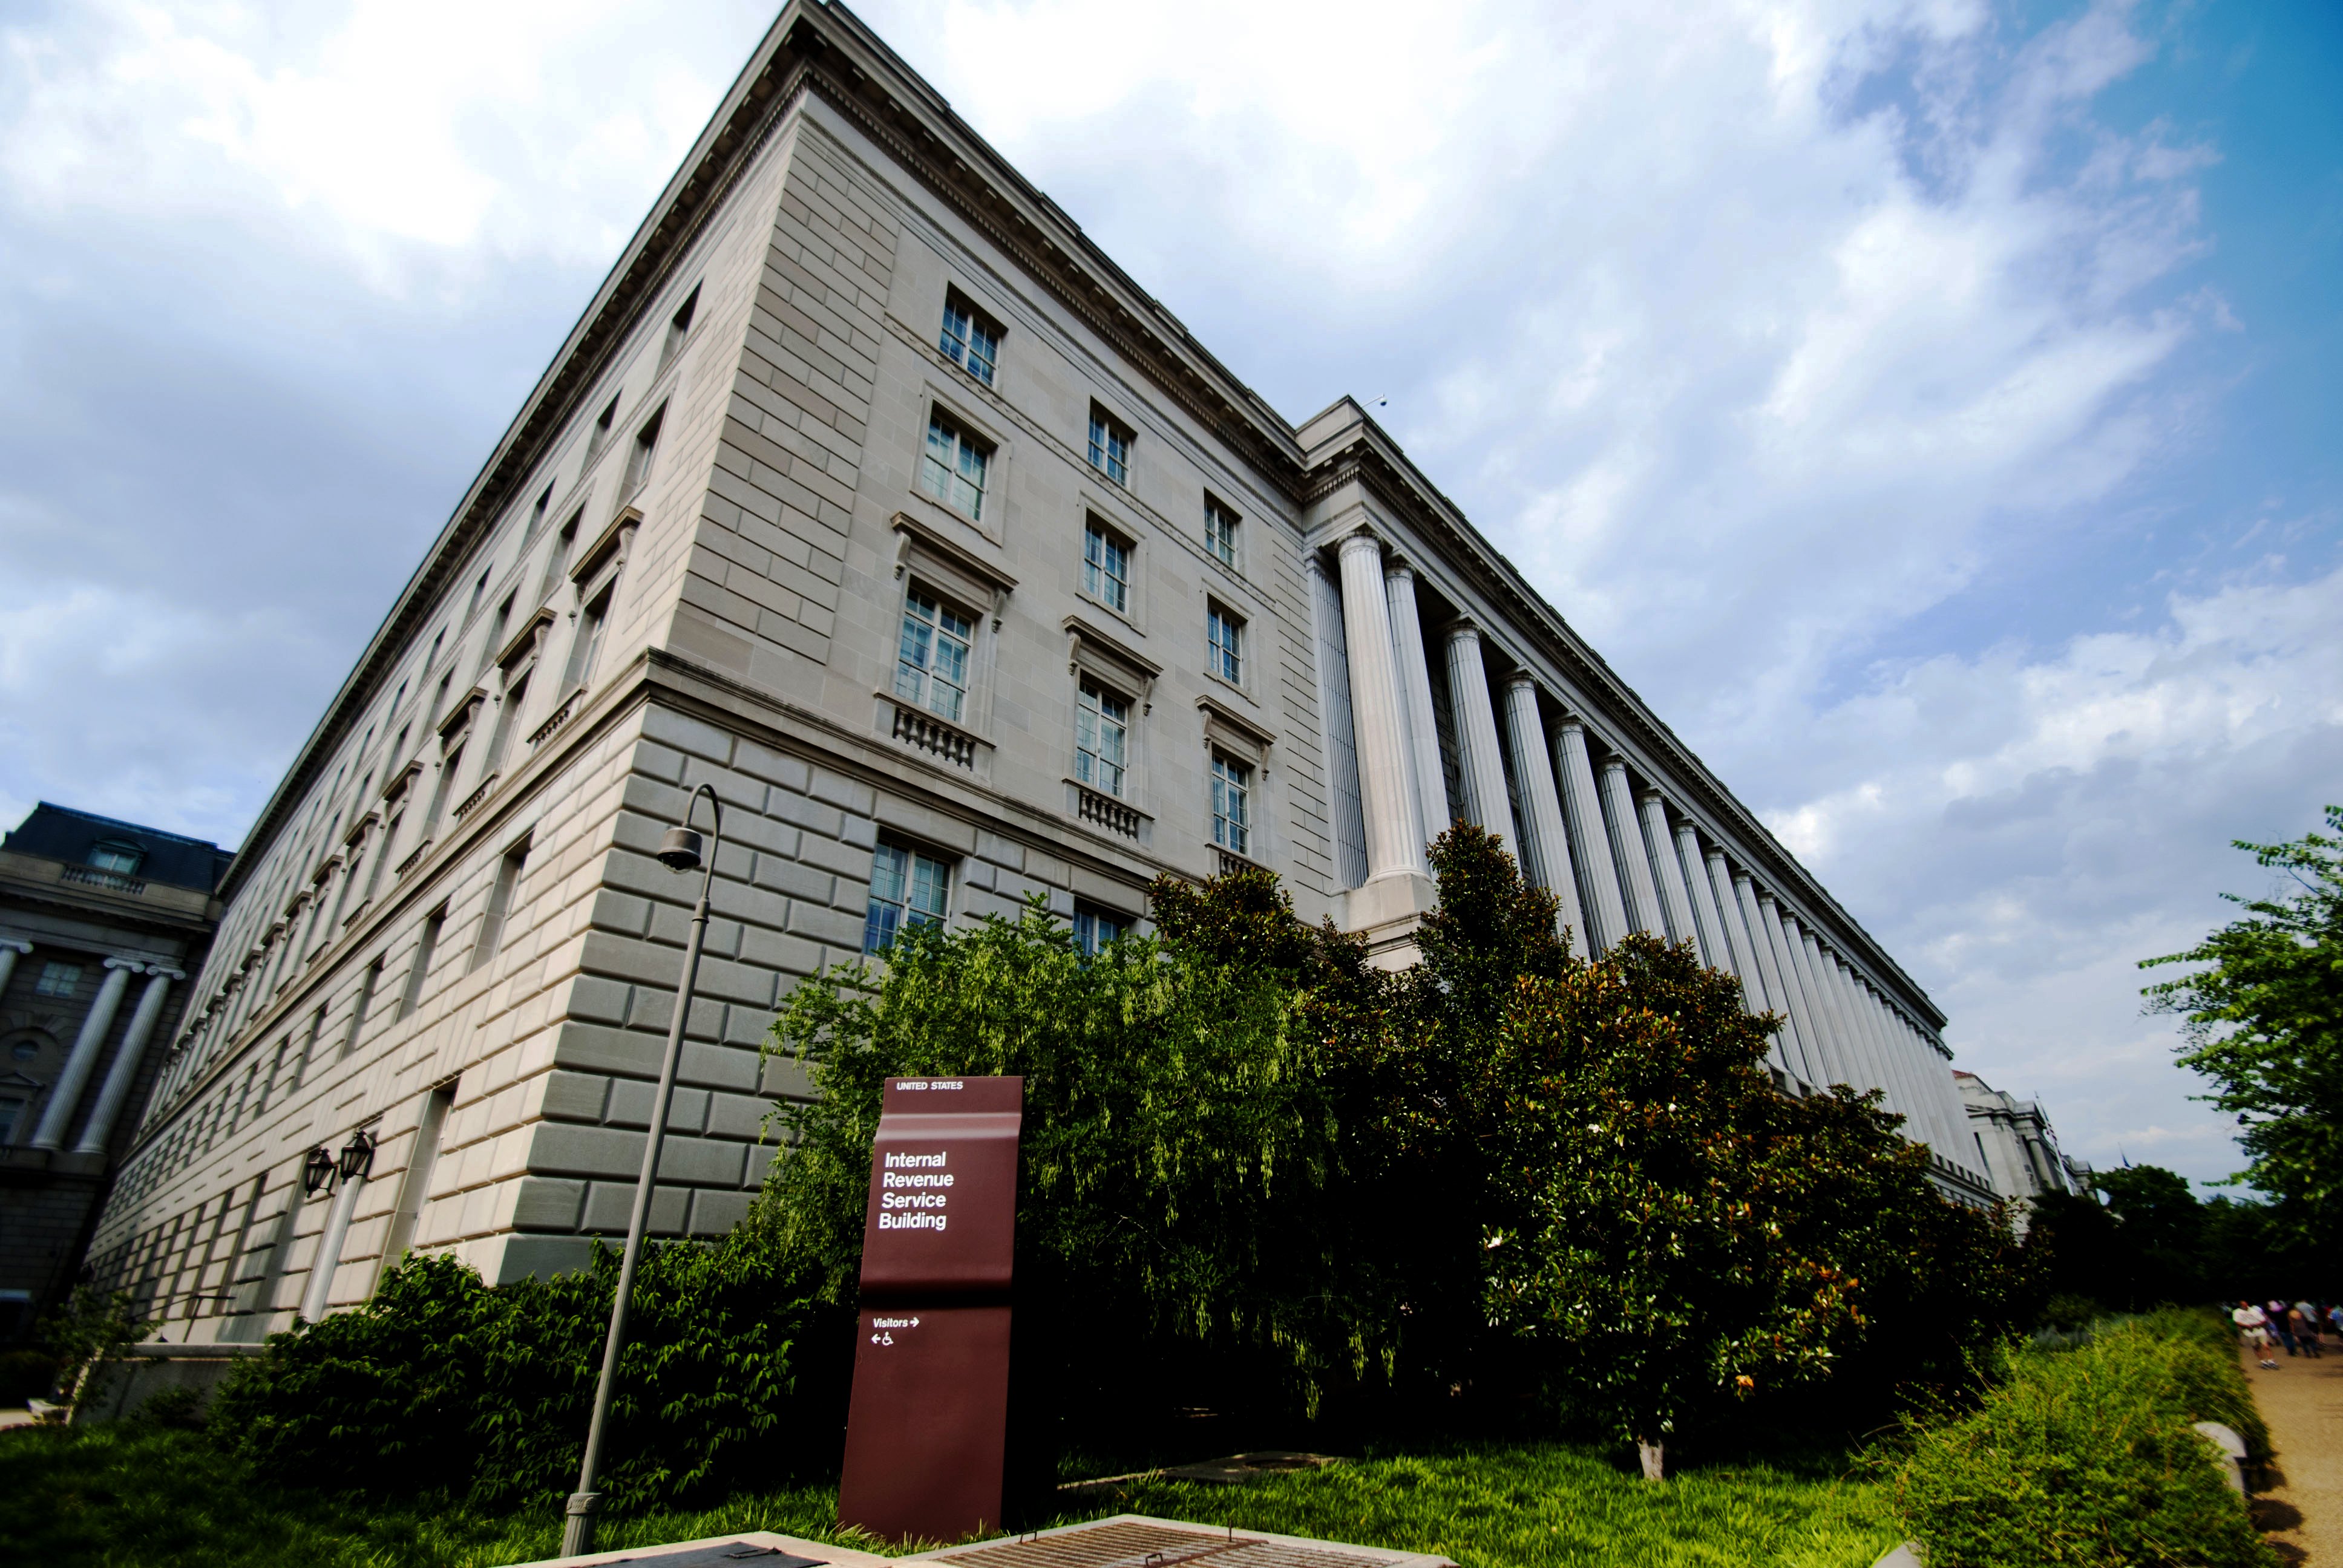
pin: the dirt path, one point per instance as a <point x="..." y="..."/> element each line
<point x="2303" y="1508"/>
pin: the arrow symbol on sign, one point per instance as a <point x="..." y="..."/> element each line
<point x="915" y="1323"/>
<point x="874" y="1339"/>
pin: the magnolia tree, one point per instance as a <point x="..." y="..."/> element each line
<point x="1504" y="1176"/>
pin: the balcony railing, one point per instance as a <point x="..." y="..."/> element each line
<point x="557" y="718"/>
<point x="1106" y="811"/>
<point x="112" y="882"/>
<point x="934" y="737"/>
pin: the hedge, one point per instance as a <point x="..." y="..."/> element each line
<point x="2087" y="1457"/>
<point x="444" y="1384"/>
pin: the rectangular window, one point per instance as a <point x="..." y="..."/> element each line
<point x="507" y="712"/>
<point x="500" y="899"/>
<point x="1102" y="739"/>
<point x="1106" y="568"/>
<point x="1219" y="532"/>
<point x="587" y="643"/>
<point x="414" y="1186"/>
<point x="1224" y="646"/>
<point x="479" y="591"/>
<point x="382" y="856"/>
<point x="1110" y="446"/>
<point x="639" y="461"/>
<point x="11" y="1110"/>
<point x="1094" y="927"/>
<point x="122" y="859"/>
<point x="907" y="886"/>
<point x="536" y="517"/>
<point x="368" y="981"/>
<point x="952" y="468"/>
<point x="969" y="341"/>
<point x="420" y="969"/>
<point x="601" y="431"/>
<point x="678" y="328"/>
<point x="441" y="788"/>
<point x="1231" y="813"/>
<point x="57" y="979"/>
<point x="931" y="662"/>
<point x="557" y="559"/>
<point x="495" y="641"/>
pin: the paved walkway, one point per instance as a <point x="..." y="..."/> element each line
<point x="2303" y="1508"/>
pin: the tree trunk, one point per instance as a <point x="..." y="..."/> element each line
<point x="1655" y="1458"/>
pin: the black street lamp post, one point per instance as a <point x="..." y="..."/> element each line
<point x="679" y="851"/>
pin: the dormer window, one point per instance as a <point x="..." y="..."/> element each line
<point x="121" y="859"/>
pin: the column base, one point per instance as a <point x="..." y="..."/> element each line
<point x="1387" y="911"/>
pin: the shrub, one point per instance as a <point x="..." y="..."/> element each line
<point x="444" y="1384"/>
<point x="2087" y="1457"/>
<point x="26" y="1375"/>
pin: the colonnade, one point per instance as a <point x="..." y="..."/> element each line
<point x="1618" y="858"/>
<point x="89" y="1046"/>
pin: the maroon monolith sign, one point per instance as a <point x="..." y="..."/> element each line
<point x="928" y="1427"/>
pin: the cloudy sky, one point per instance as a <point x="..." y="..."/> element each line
<point x="1931" y="408"/>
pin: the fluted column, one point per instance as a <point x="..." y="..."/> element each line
<point x="1713" y="950"/>
<point x="1947" y="1100"/>
<point x="1828" y="1031"/>
<point x="1627" y="848"/>
<point x="1675" y="899"/>
<point x="1864" y="1012"/>
<point x="1545" y="849"/>
<point x="1590" y="843"/>
<point x="1893" y="1077"/>
<point x="1416" y="702"/>
<point x="125" y="1071"/>
<point x="1393" y="847"/>
<point x="87" y="1045"/>
<point x="1731" y="934"/>
<point x="1771" y="939"/>
<point x="1834" y="976"/>
<point x="1904" y="1054"/>
<point x="1478" y="750"/>
<point x="1792" y="1050"/>
<point x="9" y="947"/>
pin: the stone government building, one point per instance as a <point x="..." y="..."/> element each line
<point x="869" y="491"/>
<point x="101" y="923"/>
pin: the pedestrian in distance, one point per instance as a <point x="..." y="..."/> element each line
<point x="2254" y="1332"/>
<point x="2273" y="1315"/>
<point x="2304" y="1321"/>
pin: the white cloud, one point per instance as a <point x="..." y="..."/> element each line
<point x="370" y="128"/>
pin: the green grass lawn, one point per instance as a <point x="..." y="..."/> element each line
<point x="132" y="1496"/>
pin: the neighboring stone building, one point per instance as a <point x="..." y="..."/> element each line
<point x="98" y="920"/>
<point x="2014" y="1144"/>
<point x="869" y="491"/>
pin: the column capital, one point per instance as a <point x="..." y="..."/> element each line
<point x="16" y="944"/>
<point x="1462" y="629"/>
<point x="1397" y="566"/>
<point x="1359" y="542"/>
<point x="1520" y="678"/>
<point x="135" y="966"/>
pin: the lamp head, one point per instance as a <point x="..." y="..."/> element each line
<point x="317" y="1171"/>
<point x="679" y="849"/>
<point x="358" y="1154"/>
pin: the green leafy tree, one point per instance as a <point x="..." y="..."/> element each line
<point x="89" y="1332"/>
<point x="2262" y="1020"/>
